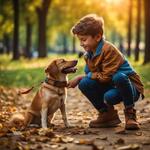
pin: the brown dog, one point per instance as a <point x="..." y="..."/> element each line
<point x="50" y="97"/>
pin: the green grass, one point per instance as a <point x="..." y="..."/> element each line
<point x="25" y="73"/>
<point x="142" y="70"/>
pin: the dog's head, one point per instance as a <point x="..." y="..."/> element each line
<point x="61" y="67"/>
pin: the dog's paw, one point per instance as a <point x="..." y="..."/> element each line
<point x="67" y="125"/>
<point x="51" y="125"/>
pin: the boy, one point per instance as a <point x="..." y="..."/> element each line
<point x="109" y="78"/>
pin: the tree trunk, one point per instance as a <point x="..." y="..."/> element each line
<point x="129" y="28"/>
<point x="28" y="40"/>
<point x="7" y="43"/>
<point x="42" y="15"/>
<point x="65" y="48"/>
<point x="113" y="36"/>
<point x="147" y="31"/>
<point x="16" y="30"/>
<point x="74" y="45"/>
<point x="138" y="29"/>
<point x="121" y="46"/>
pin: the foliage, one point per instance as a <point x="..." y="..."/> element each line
<point x="62" y="16"/>
<point x="6" y="15"/>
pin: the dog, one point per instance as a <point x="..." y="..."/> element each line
<point x="50" y="97"/>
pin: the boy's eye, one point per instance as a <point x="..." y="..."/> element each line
<point x="83" y="40"/>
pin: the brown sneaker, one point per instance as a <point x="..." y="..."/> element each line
<point x="106" y="119"/>
<point x="130" y="119"/>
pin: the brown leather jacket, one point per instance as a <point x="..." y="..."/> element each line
<point x="107" y="62"/>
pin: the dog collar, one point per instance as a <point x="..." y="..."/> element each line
<point x="56" y="82"/>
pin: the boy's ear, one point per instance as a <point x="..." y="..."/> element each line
<point x="98" y="37"/>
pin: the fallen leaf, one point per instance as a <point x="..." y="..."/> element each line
<point x="146" y="142"/>
<point x="84" y="141"/>
<point x="120" y="130"/>
<point x="66" y="139"/>
<point x="54" y="146"/>
<point x="103" y="138"/>
<point x="95" y="147"/>
<point x="42" y="139"/>
<point x="1" y="126"/>
<point x="130" y="147"/>
<point x="46" y="132"/>
<point x="120" y="141"/>
<point x="139" y="133"/>
<point x="3" y="132"/>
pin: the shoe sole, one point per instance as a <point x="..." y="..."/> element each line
<point x="132" y="127"/>
<point x="109" y="124"/>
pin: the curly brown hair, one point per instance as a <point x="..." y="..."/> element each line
<point x="89" y="25"/>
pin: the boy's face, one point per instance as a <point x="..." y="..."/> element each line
<point x="88" y="42"/>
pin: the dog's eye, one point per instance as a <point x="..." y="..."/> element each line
<point x="63" y="60"/>
<point x="60" y="61"/>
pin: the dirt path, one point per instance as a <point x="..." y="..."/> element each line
<point x="79" y="136"/>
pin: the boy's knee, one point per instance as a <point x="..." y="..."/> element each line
<point x="108" y="97"/>
<point x="81" y="85"/>
<point x="111" y="98"/>
<point x="119" y="78"/>
<point x="85" y="84"/>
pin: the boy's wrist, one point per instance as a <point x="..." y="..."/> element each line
<point x="79" y="78"/>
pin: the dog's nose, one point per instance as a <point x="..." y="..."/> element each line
<point x="75" y="61"/>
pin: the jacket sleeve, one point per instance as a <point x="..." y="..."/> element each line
<point x="112" y="59"/>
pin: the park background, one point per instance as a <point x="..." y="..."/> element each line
<point x="35" y="32"/>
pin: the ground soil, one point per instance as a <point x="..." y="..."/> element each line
<point x="79" y="136"/>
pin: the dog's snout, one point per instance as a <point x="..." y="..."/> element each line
<point x="75" y="61"/>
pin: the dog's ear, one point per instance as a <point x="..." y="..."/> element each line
<point x="52" y="69"/>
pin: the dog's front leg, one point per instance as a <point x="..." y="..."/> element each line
<point x="64" y="116"/>
<point x="44" y="117"/>
<point x="50" y="119"/>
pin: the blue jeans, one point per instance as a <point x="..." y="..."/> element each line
<point x="101" y="94"/>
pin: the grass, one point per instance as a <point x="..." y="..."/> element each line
<point x="26" y="73"/>
<point x="142" y="70"/>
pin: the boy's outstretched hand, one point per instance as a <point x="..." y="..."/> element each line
<point x="73" y="83"/>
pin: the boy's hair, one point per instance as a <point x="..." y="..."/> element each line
<point x="89" y="25"/>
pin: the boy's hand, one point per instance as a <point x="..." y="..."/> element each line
<point x="73" y="83"/>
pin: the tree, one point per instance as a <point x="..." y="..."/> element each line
<point x="28" y="39"/>
<point x="28" y="14"/>
<point x="7" y="42"/>
<point x="65" y="46"/>
<point x="147" y="31"/>
<point x="130" y="28"/>
<point x="138" y="29"/>
<point x="16" y="30"/>
<point x="6" y="24"/>
<point x="42" y="17"/>
<point x="73" y="45"/>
